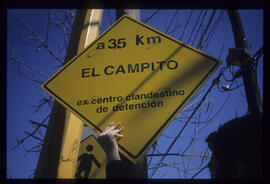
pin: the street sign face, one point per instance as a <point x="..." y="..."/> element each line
<point x="134" y="74"/>
<point x="91" y="161"/>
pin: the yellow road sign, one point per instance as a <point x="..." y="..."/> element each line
<point x="91" y="161"/>
<point x="134" y="74"/>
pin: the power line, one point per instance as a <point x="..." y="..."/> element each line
<point x="199" y="26"/>
<point x="213" y="30"/>
<point x="167" y="29"/>
<point x="190" y="14"/>
<point x="151" y="16"/>
<point x="198" y="18"/>
<point x="206" y="29"/>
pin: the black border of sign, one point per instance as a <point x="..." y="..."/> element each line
<point x="173" y="114"/>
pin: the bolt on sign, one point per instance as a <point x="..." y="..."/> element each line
<point x="134" y="74"/>
<point x="91" y="163"/>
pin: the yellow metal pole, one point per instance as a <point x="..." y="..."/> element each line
<point x="61" y="143"/>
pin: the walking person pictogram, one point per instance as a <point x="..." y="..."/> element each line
<point x="86" y="163"/>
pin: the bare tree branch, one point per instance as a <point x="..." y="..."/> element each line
<point x="180" y="132"/>
<point x="36" y="123"/>
<point x="40" y="40"/>
<point x="19" y="142"/>
<point x="32" y="135"/>
<point x="17" y="60"/>
<point x="29" y="76"/>
<point x="36" y="148"/>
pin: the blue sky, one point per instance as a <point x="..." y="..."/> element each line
<point x="19" y="88"/>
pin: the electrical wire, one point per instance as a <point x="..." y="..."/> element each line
<point x="213" y="30"/>
<point x="205" y="13"/>
<point x="206" y="29"/>
<point x="198" y="18"/>
<point x="151" y="16"/>
<point x="167" y="28"/>
<point x="190" y="14"/>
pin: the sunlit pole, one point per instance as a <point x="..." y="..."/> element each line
<point x="60" y="148"/>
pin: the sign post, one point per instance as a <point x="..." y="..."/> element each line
<point x="134" y="74"/>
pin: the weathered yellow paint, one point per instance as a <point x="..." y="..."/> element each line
<point x="61" y="144"/>
<point x="73" y="128"/>
<point x="147" y="74"/>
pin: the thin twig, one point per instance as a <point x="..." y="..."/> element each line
<point x="15" y="59"/>
<point x="41" y="41"/>
<point x="36" y="123"/>
<point x="32" y="135"/>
